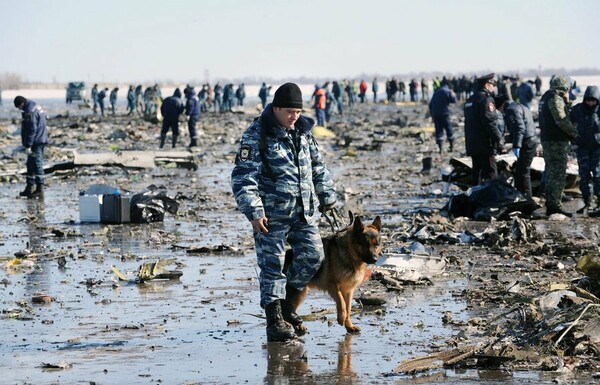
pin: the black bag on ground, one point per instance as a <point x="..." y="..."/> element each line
<point x="492" y="199"/>
<point x="151" y="205"/>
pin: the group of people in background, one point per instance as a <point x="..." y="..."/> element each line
<point x="497" y="110"/>
<point x="496" y="113"/>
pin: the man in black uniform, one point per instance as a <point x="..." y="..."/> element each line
<point x="482" y="136"/>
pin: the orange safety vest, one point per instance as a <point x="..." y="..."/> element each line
<point x="320" y="99"/>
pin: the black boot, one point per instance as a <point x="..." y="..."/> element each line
<point x="558" y="211"/>
<point x="277" y="329"/>
<point x="162" y="141"/>
<point x="287" y="311"/>
<point x="174" y="141"/>
<point x="451" y="148"/>
<point x="440" y="148"/>
<point x="39" y="191"/>
<point x="29" y="189"/>
<point x="193" y="143"/>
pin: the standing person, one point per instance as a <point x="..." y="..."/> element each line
<point x="557" y="132"/>
<point x="113" y="99"/>
<point x="439" y="108"/>
<point x="319" y="104"/>
<point x="101" y="96"/>
<point x="218" y="97"/>
<point x="34" y="137"/>
<point x="130" y="100"/>
<point x="203" y="98"/>
<point x="139" y="99"/>
<point x="519" y="123"/>
<point x="336" y="90"/>
<point x="95" y="98"/>
<point x="538" y="85"/>
<point x="328" y="102"/>
<point x="192" y="110"/>
<point x="362" y="90"/>
<point x="240" y="94"/>
<point x="279" y="192"/>
<point x="586" y="116"/>
<point x="424" y="89"/>
<point x="401" y="88"/>
<point x="148" y="97"/>
<point x="375" y="89"/>
<point x="482" y="137"/>
<point x="350" y="94"/>
<point x="263" y="93"/>
<point x="393" y="89"/>
<point x="170" y="109"/>
<point x="413" y="87"/>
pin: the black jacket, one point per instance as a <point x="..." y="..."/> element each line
<point x="587" y="120"/>
<point x="482" y="136"/>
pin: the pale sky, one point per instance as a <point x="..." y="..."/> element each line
<point x="148" y="40"/>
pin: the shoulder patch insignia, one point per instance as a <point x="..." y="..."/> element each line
<point x="244" y="152"/>
<point x="491" y="107"/>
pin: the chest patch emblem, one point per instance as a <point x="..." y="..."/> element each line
<point x="244" y="152"/>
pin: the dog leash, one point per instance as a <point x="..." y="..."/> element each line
<point x="335" y="220"/>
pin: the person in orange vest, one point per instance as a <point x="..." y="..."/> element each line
<point x="319" y="104"/>
<point x="362" y="91"/>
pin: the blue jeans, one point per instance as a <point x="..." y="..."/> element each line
<point x="35" y="165"/>
<point x="320" y="113"/>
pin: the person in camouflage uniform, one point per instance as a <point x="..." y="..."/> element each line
<point x="557" y="132"/>
<point x="280" y="182"/>
<point x="586" y="116"/>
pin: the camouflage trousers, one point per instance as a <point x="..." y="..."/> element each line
<point x="307" y="245"/>
<point x="555" y="157"/>
<point x="588" y="160"/>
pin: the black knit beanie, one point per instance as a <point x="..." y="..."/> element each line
<point x="288" y="96"/>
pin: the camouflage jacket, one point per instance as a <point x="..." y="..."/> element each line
<point x="555" y="125"/>
<point x="291" y="171"/>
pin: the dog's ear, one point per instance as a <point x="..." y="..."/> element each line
<point x="377" y="223"/>
<point x="357" y="226"/>
<point x="351" y="215"/>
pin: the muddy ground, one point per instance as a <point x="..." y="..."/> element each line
<point x="207" y="326"/>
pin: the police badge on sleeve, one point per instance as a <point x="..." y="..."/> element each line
<point x="244" y="152"/>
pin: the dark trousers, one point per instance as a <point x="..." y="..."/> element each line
<point x="340" y="105"/>
<point x="588" y="160"/>
<point x="523" y="167"/>
<point x="484" y="168"/>
<point x="173" y="125"/>
<point x="192" y="127"/>
<point x="35" y="165"/>
<point x="442" y="123"/>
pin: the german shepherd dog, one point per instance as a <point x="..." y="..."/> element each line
<point x="347" y="254"/>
